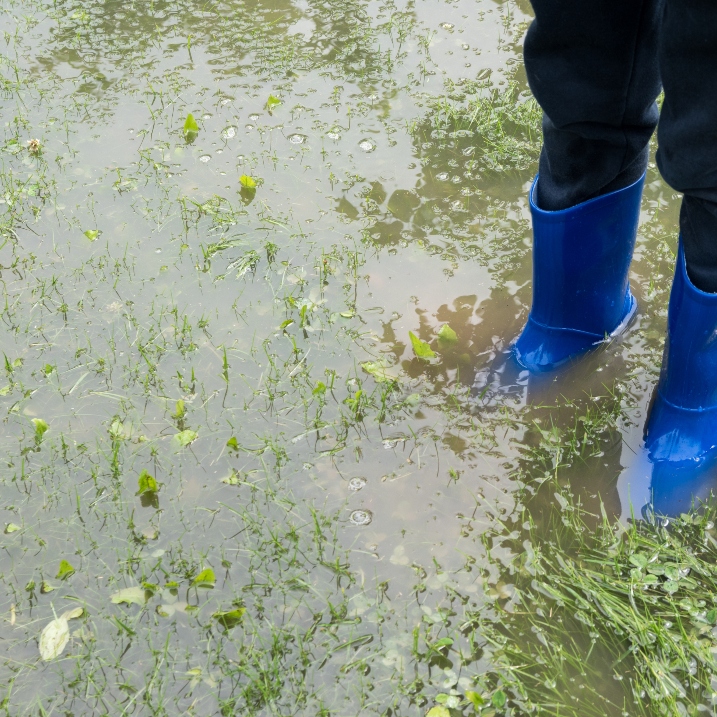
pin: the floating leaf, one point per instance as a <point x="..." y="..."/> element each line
<point x="169" y="610"/>
<point x="147" y="484"/>
<point x="130" y="596"/>
<point x="41" y="428"/>
<point x="230" y="618"/>
<point x="347" y="314"/>
<point x="5" y="390"/>
<point x="380" y="371"/>
<point x="92" y="234"/>
<point x="272" y="102"/>
<point x="45" y="587"/>
<point x="56" y="634"/>
<point x="65" y="571"/>
<point x="319" y="389"/>
<point x="233" y="444"/>
<point x="420" y="348"/>
<point x="247" y="182"/>
<point x="186" y="437"/>
<point x="439" y="711"/>
<point x="12" y="528"/>
<point x="191" y="128"/>
<point x="499" y="699"/>
<point x="232" y="479"/>
<point x="447" y="337"/>
<point x="179" y="409"/>
<point x="205" y="579"/>
<point x="475" y="699"/>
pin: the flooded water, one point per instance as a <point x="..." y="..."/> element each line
<point x="208" y="363"/>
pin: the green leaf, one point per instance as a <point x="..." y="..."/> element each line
<point x="205" y="579"/>
<point x="230" y="618"/>
<point x="447" y="337"/>
<point x="65" y="571"/>
<point x="179" y="409"/>
<point x="286" y="323"/>
<point x="247" y="182"/>
<point x="420" y="348"/>
<point x="475" y="699"/>
<point x="272" y="102"/>
<point x="347" y="314"/>
<point x="186" y="437"/>
<point x="438" y="712"/>
<point x="711" y="616"/>
<point x="5" y="390"/>
<point x="191" y="128"/>
<point x="12" y="528"/>
<point x="233" y="478"/>
<point x="639" y="561"/>
<point x="45" y="587"/>
<point x="380" y="371"/>
<point x="92" y="234"/>
<point x="147" y="484"/>
<point x="319" y="389"/>
<point x="233" y="444"/>
<point x="670" y="586"/>
<point x="130" y="596"/>
<point x="443" y="642"/>
<point x="41" y="428"/>
<point x="499" y="699"/>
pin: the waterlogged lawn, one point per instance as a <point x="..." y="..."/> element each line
<point x="261" y="455"/>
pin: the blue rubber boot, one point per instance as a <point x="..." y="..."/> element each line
<point x="581" y="293"/>
<point x="681" y="431"/>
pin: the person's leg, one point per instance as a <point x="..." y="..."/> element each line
<point x="687" y="134"/>
<point x="681" y="432"/>
<point x="592" y="66"/>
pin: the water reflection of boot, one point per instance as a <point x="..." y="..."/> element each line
<point x="581" y="293"/>
<point x="681" y="431"/>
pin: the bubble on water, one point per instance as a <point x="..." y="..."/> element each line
<point x="355" y="484"/>
<point x="367" y="145"/>
<point x="457" y="205"/>
<point x="254" y="117"/>
<point x="204" y="158"/>
<point x="225" y="101"/>
<point x="249" y="127"/>
<point x="456" y="179"/>
<point x="361" y="517"/>
<point x="229" y="132"/>
<point x="297" y="138"/>
<point x="206" y="116"/>
<point x="442" y="176"/>
<point x="465" y="46"/>
<point x="447" y="25"/>
<point x="333" y="135"/>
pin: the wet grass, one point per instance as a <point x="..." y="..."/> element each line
<point x="218" y="438"/>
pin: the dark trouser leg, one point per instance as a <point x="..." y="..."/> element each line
<point x="592" y="66"/>
<point x="687" y="134"/>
